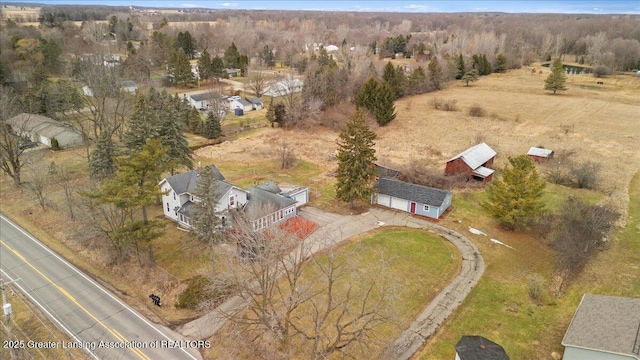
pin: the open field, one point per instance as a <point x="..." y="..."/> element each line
<point x="599" y="123"/>
<point x="419" y="264"/>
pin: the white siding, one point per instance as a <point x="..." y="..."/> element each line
<point x="300" y="196"/>
<point x="399" y="204"/>
<point x="239" y="198"/>
<point x="171" y="199"/>
<point x="44" y="140"/>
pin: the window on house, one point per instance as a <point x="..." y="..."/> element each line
<point x="426" y="208"/>
<point x="181" y="218"/>
<point x="280" y="215"/>
<point x="168" y="207"/>
<point x="232" y="200"/>
<point x="174" y="195"/>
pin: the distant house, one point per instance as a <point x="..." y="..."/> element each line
<point x="412" y="198"/>
<point x="474" y="162"/>
<point x="266" y="208"/>
<point x="243" y="104"/>
<point x="284" y="87"/>
<point x="479" y="348"/>
<point x="178" y="198"/>
<point x="200" y="101"/>
<point x="539" y="154"/>
<point x="331" y="48"/>
<point x="256" y="103"/>
<point x="129" y="86"/>
<point x="43" y="129"/>
<point x="231" y="72"/>
<point x="604" y="328"/>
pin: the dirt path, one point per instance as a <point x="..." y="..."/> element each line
<point x="429" y="319"/>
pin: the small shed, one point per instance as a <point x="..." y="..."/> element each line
<point x="256" y="102"/>
<point x="231" y="72"/>
<point x="238" y="112"/>
<point x="479" y="348"/>
<point x="129" y="86"/>
<point x="200" y="101"/>
<point x="538" y="154"/>
<point x="412" y="198"/>
<point x="243" y="104"/>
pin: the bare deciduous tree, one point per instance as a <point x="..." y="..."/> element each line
<point x="285" y="154"/>
<point x="257" y="81"/>
<point x="11" y="159"/>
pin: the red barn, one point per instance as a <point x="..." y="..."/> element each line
<point x="475" y="162"/>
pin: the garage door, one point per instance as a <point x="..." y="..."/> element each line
<point x="399" y="204"/>
<point x="383" y="199"/>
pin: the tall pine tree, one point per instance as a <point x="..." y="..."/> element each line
<point x="395" y="78"/>
<point x="102" y="160"/>
<point x="180" y="68"/>
<point x="436" y="75"/>
<point x="232" y="57"/>
<point x="212" y="128"/>
<point x="385" y="110"/>
<point x="461" y="67"/>
<point x="356" y="158"/>
<point x="204" y="65"/>
<point x="557" y="79"/>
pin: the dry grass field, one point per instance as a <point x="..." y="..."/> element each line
<point x="599" y="123"/>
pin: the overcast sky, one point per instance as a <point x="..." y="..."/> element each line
<point x="540" y="6"/>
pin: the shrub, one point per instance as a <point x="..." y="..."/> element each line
<point x="450" y="105"/>
<point x="535" y="287"/>
<point x="601" y="70"/>
<point x="198" y="290"/>
<point x="55" y="146"/>
<point x="476" y="111"/>
<point x="585" y="175"/>
<point x="436" y="102"/>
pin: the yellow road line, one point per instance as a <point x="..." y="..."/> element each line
<point x="70" y="297"/>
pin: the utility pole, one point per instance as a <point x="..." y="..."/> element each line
<point x="6" y="308"/>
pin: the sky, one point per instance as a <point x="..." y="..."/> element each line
<point x="416" y="6"/>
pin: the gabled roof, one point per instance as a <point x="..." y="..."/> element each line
<point x="244" y="102"/>
<point x="535" y="151"/>
<point x="605" y="323"/>
<point x="479" y="348"/>
<point x="418" y="193"/>
<point x="483" y="171"/>
<point x="186" y="182"/>
<point x="383" y="171"/>
<point x="262" y="202"/>
<point x="255" y="100"/>
<point x="199" y="97"/>
<point x="476" y="155"/>
<point x="270" y="186"/>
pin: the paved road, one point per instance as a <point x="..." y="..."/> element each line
<point x="86" y="311"/>
<point x="344" y="227"/>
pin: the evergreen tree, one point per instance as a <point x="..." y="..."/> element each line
<point x="211" y="129"/>
<point x="385" y="110"/>
<point x="217" y="67"/>
<point x="143" y="124"/>
<point x="367" y="95"/>
<point x="172" y="138"/>
<point x="417" y="81"/>
<point x="461" y="67"/>
<point x="356" y="158"/>
<point x="557" y="79"/>
<point x="204" y="65"/>
<point x="244" y="65"/>
<point x="205" y="218"/>
<point x="267" y="57"/>
<point x="232" y="57"/>
<point x="486" y="65"/>
<point x="180" y="68"/>
<point x="186" y="42"/>
<point x="501" y="63"/>
<point x="470" y="76"/>
<point x="436" y="75"/>
<point x="516" y="199"/>
<point x="395" y="78"/>
<point x="102" y="163"/>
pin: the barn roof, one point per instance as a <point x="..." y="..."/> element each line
<point x="605" y="323"/>
<point x="407" y="191"/>
<point x="44" y="126"/>
<point x="536" y="151"/>
<point x="479" y="348"/>
<point x="187" y="182"/>
<point x="476" y="155"/>
<point x="199" y="97"/>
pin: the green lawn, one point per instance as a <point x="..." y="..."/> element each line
<point x="500" y="308"/>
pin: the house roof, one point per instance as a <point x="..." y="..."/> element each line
<point x="186" y="182"/>
<point x="198" y="97"/>
<point x="270" y="186"/>
<point x="129" y="83"/>
<point x="262" y="202"/>
<point x="244" y="102"/>
<point x="255" y="100"/>
<point x="418" y="193"/>
<point x="535" y="151"/>
<point x="479" y="348"/>
<point x="45" y="126"/>
<point x="186" y="208"/>
<point x="476" y="155"/>
<point x="605" y="323"/>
